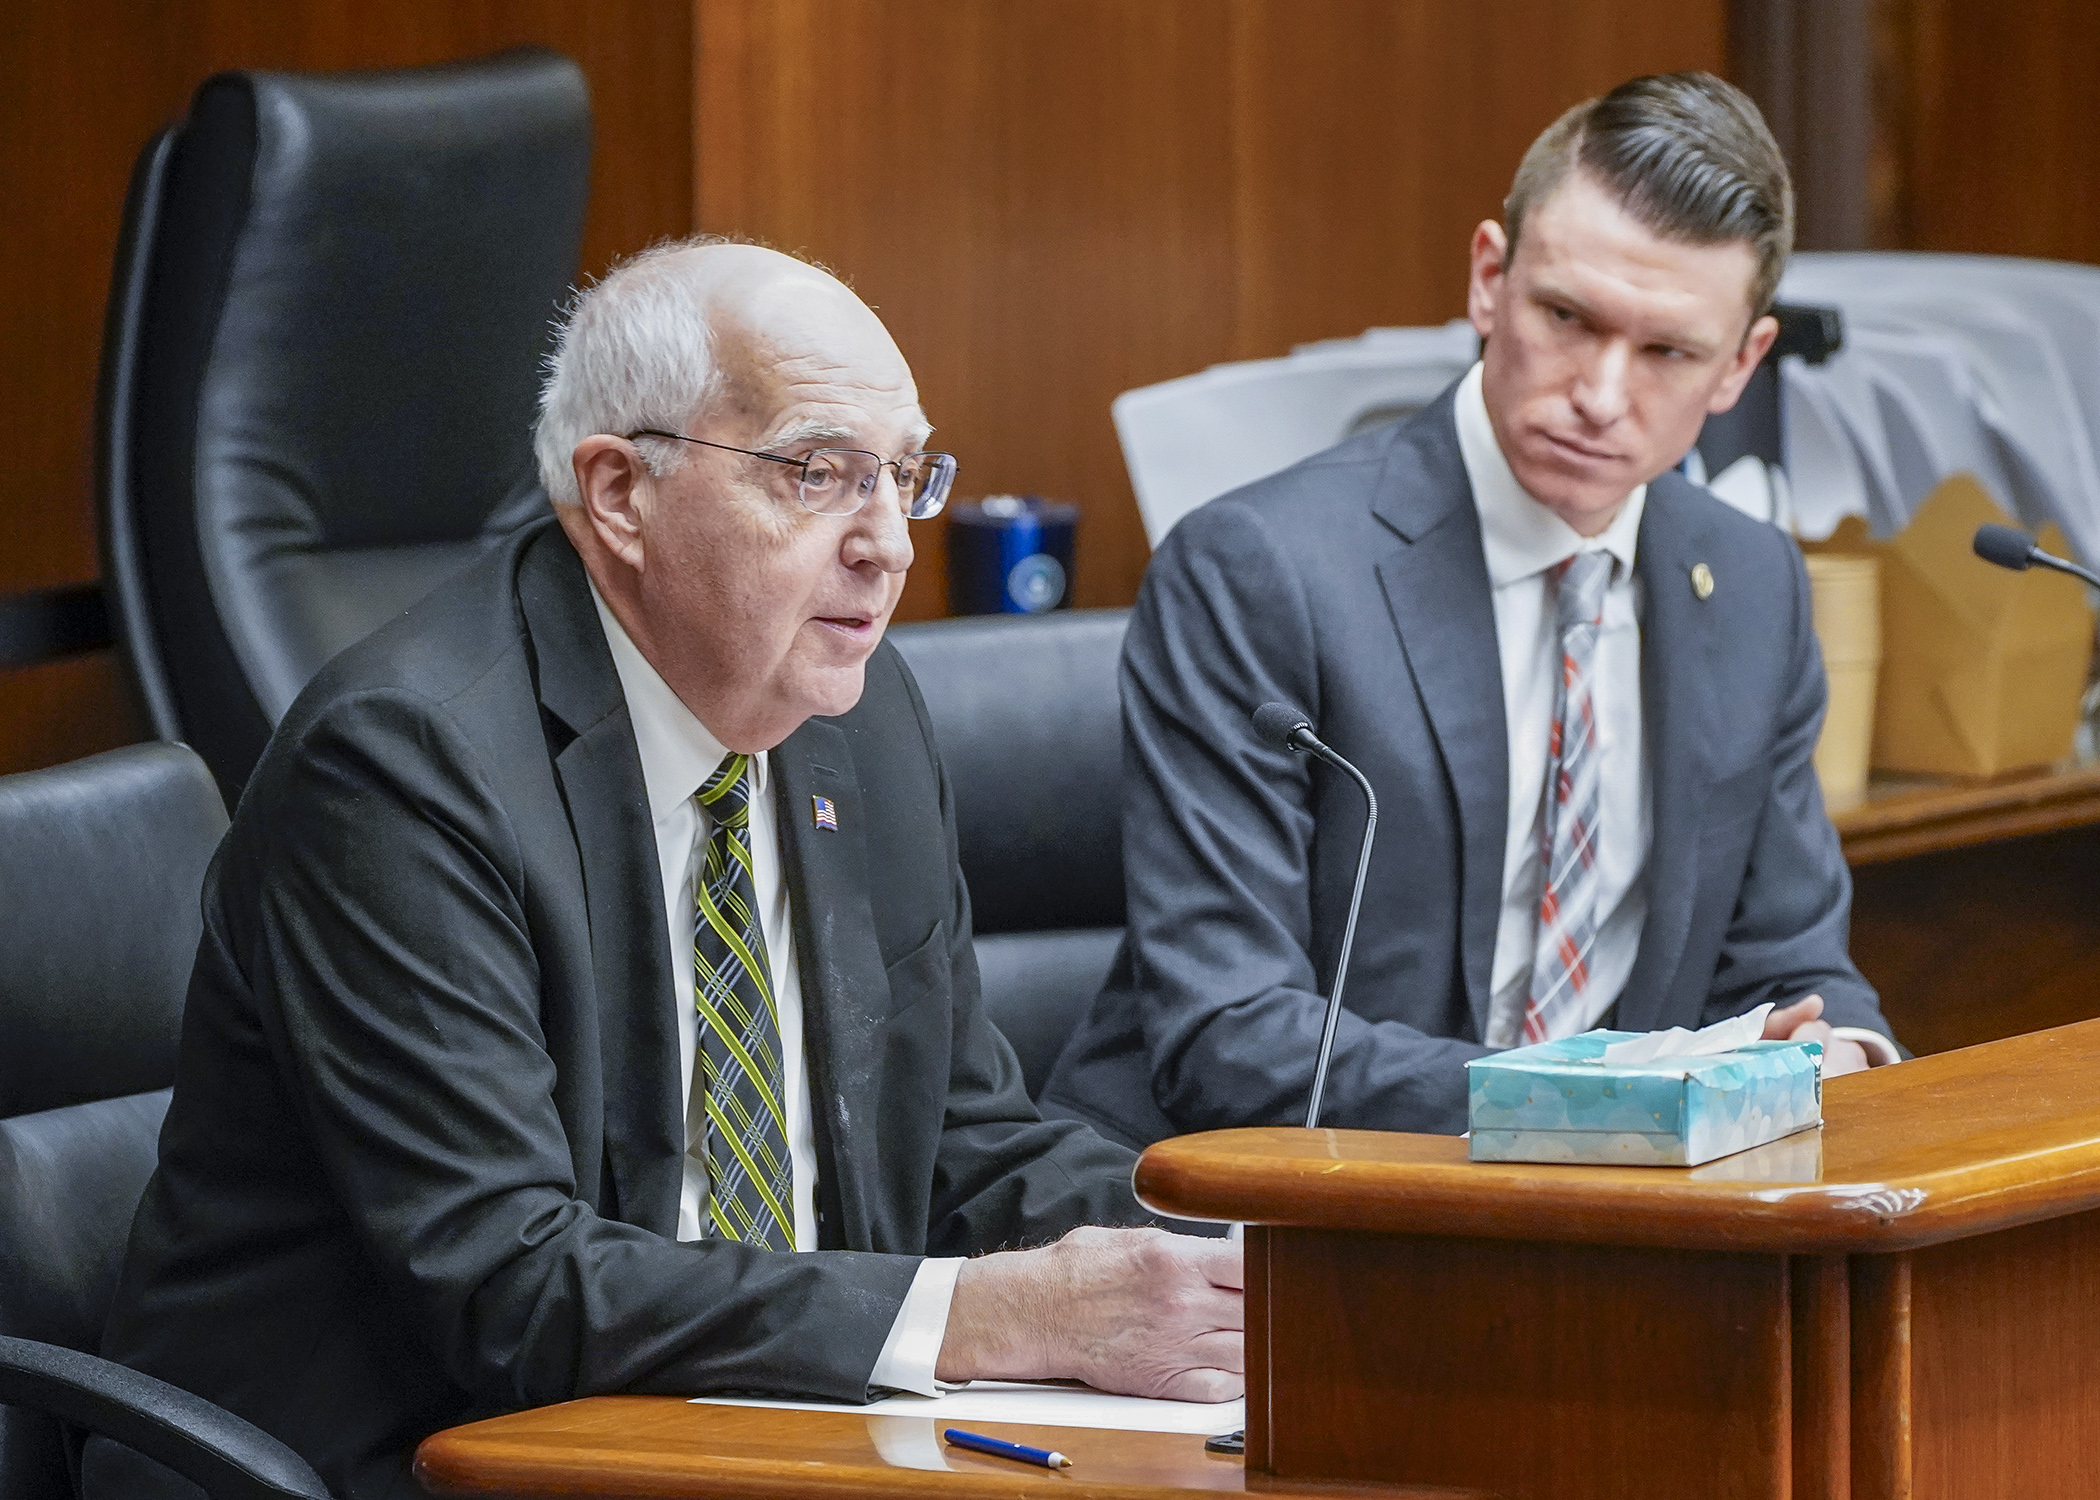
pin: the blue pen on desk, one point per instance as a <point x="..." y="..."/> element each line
<point x="977" y="1442"/>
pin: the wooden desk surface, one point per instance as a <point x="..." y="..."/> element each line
<point x="657" y="1447"/>
<point x="1904" y="816"/>
<point x="1943" y="1147"/>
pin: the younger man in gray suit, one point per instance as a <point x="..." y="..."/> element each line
<point x="1586" y="691"/>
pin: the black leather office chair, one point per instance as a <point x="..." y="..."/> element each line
<point x="1031" y="731"/>
<point x="331" y="300"/>
<point x="100" y="865"/>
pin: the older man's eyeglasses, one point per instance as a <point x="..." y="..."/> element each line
<point x="838" y="481"/>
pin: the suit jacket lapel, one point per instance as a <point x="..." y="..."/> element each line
<point x="845" y="988"/>
<point x="1678" y="710"/>
<point x="600" y="773"/>
<point x="1437" y="590"/>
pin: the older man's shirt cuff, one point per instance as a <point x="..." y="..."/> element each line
<point x="1879" y="1049"/>
<point x="913" y="1348"/>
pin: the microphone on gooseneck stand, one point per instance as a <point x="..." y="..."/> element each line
<point x="1287" y="729"/>
<point x="2016" y="550"/>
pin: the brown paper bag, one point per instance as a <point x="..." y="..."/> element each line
<point x="1981" y="668"/>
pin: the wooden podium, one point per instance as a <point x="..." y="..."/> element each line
<point x="1904" y="1304"/>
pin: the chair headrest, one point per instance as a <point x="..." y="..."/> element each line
<point x="101" y="867"/>
<point x="1030" y="728"/>
<point x="360" y="272"/>
<point x="338" y="294"/>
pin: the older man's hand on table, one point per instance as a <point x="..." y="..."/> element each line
<point x="1136" y="1311"/>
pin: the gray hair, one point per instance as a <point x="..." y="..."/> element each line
<point x="1686" y="154"/>
<point x="632" y="350"/>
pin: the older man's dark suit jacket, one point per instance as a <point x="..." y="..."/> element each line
<point x="424" y="1152"/>
<point x="1354" y="587"/>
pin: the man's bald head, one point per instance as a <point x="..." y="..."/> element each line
<point x="684" y="328"/>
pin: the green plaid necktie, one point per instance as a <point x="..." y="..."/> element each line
<point x="737" y="1114"/>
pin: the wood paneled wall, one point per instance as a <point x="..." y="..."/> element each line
<point x="1985" y="109"/>
<point x="1052" y="201"/>
<point x="83" y="83"/>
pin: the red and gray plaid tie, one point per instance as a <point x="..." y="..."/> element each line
<point x="1568" y="833"/>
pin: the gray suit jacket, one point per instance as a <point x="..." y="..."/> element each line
<point x="1353" y="586"/>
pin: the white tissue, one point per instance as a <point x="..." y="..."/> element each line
<point x="1722" y="1036"/>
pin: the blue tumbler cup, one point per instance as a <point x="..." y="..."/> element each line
<point x="1010" y="554"/>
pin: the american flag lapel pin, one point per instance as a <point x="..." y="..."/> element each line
<point x="823" y="813"/>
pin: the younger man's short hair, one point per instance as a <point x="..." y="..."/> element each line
<point x="1687" y="154"/>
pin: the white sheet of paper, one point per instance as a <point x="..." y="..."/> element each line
<point x="1040" y="1405"/>
<point x="1722" y="1036"/>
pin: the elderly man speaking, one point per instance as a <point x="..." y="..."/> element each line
<point x="586" y="1001"/>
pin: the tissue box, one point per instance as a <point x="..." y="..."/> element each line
<point x="1559" y="1102"/>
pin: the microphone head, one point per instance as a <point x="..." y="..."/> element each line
<point x="1278" y="723"/>
<point x="2005" y="547"/>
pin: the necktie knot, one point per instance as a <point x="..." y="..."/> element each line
<point x="1579" y="585"/>
<point x="727" y="793"/>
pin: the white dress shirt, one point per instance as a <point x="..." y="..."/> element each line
<point x="678" y="755"/>
<point x="1523" y="541"/>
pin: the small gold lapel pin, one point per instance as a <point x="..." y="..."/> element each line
<point x="1702" y="580"/>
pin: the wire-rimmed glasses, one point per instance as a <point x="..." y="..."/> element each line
<point x="838" y="481"/>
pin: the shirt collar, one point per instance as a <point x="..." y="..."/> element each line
<point x="677" y="752"/>
<point x="1520" y="536"/>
